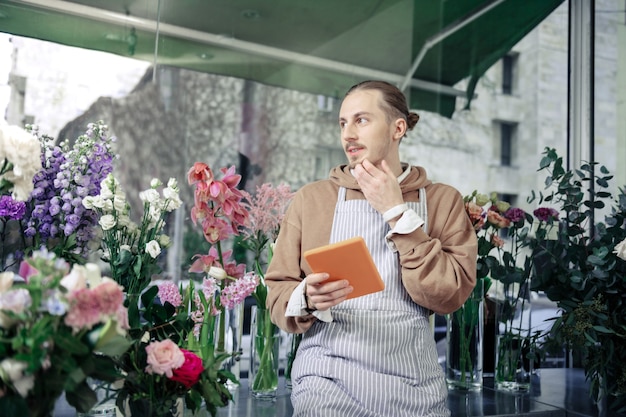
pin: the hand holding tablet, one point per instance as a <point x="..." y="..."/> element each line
<point x="348" y="259"/>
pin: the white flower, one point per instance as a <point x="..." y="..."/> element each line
<point x="164" y="240"/>
<point x="173" y="201"/>
<point x="16" y="300"/>
<point x="620" y="250"/>
<point x="149" y="196"/>
<point x="155" y="182"/>
<point x="12" y="370"/>
<point x="96" y="201"/>
<point x="154" y="215"/>
<point x="107" y="222"/>
<point x="108" y="187"/>
<point x="119" y="203"/>
<point x="23" y="150"/>
<point x="88" y="202"/>
<point x="76" y="279"/>
<point x="123" y="221"/>
<point x="217" y="273"/>
<point x="153" y="248"/>
<point x="6" y="281"/>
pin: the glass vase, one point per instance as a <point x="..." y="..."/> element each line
<point x="151" y="407"/>
<point x="464" y="338"/>
<point x="294" y="342"/>
<point x="264" y="354"/>
<point x="106" y="395"/>
<point x="514" y="338"/>
<point x="228" y="337"/>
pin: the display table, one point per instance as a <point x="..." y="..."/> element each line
<point x="555" y="393"/>
<point x="559" y="392"/>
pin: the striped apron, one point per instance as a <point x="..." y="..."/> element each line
<point x="377" y="358"/>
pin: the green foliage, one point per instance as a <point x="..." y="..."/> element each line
<point x="581" y="271"/>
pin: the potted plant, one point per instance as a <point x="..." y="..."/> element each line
<point x="582" y="268"/>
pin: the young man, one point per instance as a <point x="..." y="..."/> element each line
<point x="373" y="355"/>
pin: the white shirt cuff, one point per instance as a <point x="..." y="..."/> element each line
<point x="407" y="223"/>
<point x="297" y="305"/>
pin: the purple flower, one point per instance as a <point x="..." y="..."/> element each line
<point x="515" y="214"/>
<point x="546" y="214"/>
<point x="69" y="174"/>
<point x="12" y="209"/>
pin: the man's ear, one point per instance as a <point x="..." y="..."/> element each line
<point x="400" y="128"/>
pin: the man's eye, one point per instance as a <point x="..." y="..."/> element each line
<point x="361" y="120"/>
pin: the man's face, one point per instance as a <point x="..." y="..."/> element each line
<point x="365" y="132"/>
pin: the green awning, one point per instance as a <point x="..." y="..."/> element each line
<point x="322" y="46"/>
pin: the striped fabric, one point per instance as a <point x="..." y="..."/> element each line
<point x="378" y="356"/>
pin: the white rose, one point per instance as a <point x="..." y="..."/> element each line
<point x="119" y="203"/>
<point x="172" y="183"/>
<point x="620" y="250"/>
<point x="217" y="273"/>
<point x="153" y="248"/>
<point x="108" y="187"/>
<point x="173" y="200"/>
<point x="97" y="202"/>
<point x="107" y="206"/>
<point x="149" y="196"/>
<point x="23" y="150"/>
<point x="154" y="215"/>
<point x="88" y="202"/>
<point x="76" y="279"/>
<point x="13" y="370"/>
<point x="123" y="221"/>
<point x="107" y="222"/>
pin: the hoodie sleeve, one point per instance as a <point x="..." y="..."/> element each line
<point x="439" y="267"/>
<point x="288" y="268"/>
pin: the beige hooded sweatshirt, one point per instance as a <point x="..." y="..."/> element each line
<point x="438" y="268"/>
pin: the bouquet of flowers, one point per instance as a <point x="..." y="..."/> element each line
<point x="130" y="249"/>
<point x="502" y="231"/>
<point x="267" y="209"/>
<point x="172" y="358"/>
<point x="51" y="214"/>
<point x="59" y="324"/>
<point x="218" y="209"/>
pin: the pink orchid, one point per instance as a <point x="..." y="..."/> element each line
<point x="199" y="172"/>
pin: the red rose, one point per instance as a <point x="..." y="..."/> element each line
<point x="189" y="373"/>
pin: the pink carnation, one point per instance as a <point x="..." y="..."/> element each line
<point x="163" y="357"/>
<point x="108" y="296"/>
<point x="84" y="310"/>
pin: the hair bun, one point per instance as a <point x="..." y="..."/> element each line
<point x="412" y="119"/>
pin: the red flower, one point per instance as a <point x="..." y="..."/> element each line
<point x="189" y="373"/>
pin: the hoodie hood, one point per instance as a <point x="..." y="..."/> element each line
<point x="416" y="179"/>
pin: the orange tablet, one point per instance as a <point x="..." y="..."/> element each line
<point x="349" y="259"/>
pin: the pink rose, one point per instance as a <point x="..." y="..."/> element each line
<point x="164" y="357"/>
<point x="189" y="373"/>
